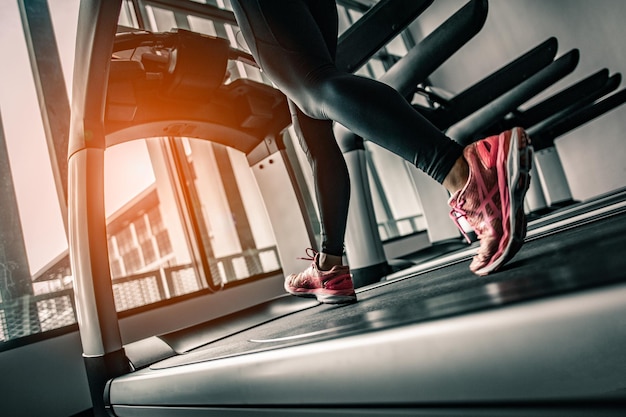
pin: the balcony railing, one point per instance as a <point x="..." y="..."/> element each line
<point x="42" y="312"/>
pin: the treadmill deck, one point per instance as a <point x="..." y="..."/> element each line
<point x="550" y="326"/>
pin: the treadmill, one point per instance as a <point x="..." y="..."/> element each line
<point x="544" y="336"/>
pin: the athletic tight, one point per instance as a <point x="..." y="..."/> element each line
<point x="294" y="42"/>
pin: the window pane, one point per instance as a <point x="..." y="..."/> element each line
<point x="149" y="254"/>
<point x="200" y="25"/>
<point x="35" y="282"/>
<point x="64" y="14"/>
<point x="161" y="20"/>
<point x="242" y="243"/>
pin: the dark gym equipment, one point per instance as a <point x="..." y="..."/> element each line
<point x="552" y="105"/>
<point x="455" y="109"/>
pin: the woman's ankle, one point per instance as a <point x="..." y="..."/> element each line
<point x="326" y="261"/>
<point x="458" y="176"/>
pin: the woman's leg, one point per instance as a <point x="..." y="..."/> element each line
<point x="330" y="175"/>
<point x="291" y="43"/>
<point x="331" y="180"/>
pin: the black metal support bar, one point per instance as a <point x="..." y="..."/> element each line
<point x="609" y="86"/>
<point x="139" y="14"/>
<point x="498" y="108"/>
<point x="552" y="105"/>
<point x="436" y="48"/>
<point x="374" y="29"/>
<point x="565" y="98"/>
<point x="545" y="137"/>
<point x="51" y="90"/>
<point x="189" y="7"/>
<point x="493" y="86"/>
<point x="360" y="5"/>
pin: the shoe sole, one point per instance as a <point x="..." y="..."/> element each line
<point x="324" y="297"/>
<point x="519" y="161"/>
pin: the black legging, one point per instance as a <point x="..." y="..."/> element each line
<point x="295" y="42"/>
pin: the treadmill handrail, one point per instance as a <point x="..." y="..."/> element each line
<point x="504" y="104"/>
<point x="374" y="29"/>
<point x="428" y="55"/>
<point x="579" y="118"/>
<point x="492" y="86"/>
<point x="551" y="106"/>
<point x="539" y="143"/>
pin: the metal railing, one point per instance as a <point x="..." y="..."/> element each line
<point x="31" y="314"/>
<point x="393" y="228"/>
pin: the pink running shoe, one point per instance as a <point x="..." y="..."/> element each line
<point x="332" y="287"/>
<point x="492" y="201"/>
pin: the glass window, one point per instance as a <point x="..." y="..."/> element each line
<point x="145" y="231"/>
<point x="35" y="281"/>
<point x="200" y="25"/>
<point x="148" y="240"/>
<point x="148" y="252"/>
<point x="161" y="20"/>
<point x="241" y="242"/>
<point x="163" y="243"/>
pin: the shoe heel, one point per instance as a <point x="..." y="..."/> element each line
<point x="336" y="299"/>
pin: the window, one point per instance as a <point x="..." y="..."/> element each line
<point x="148" y="237"/>
<point x="35" y="281"/>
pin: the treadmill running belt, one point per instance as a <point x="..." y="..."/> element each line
<point x="572" y="260"/>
